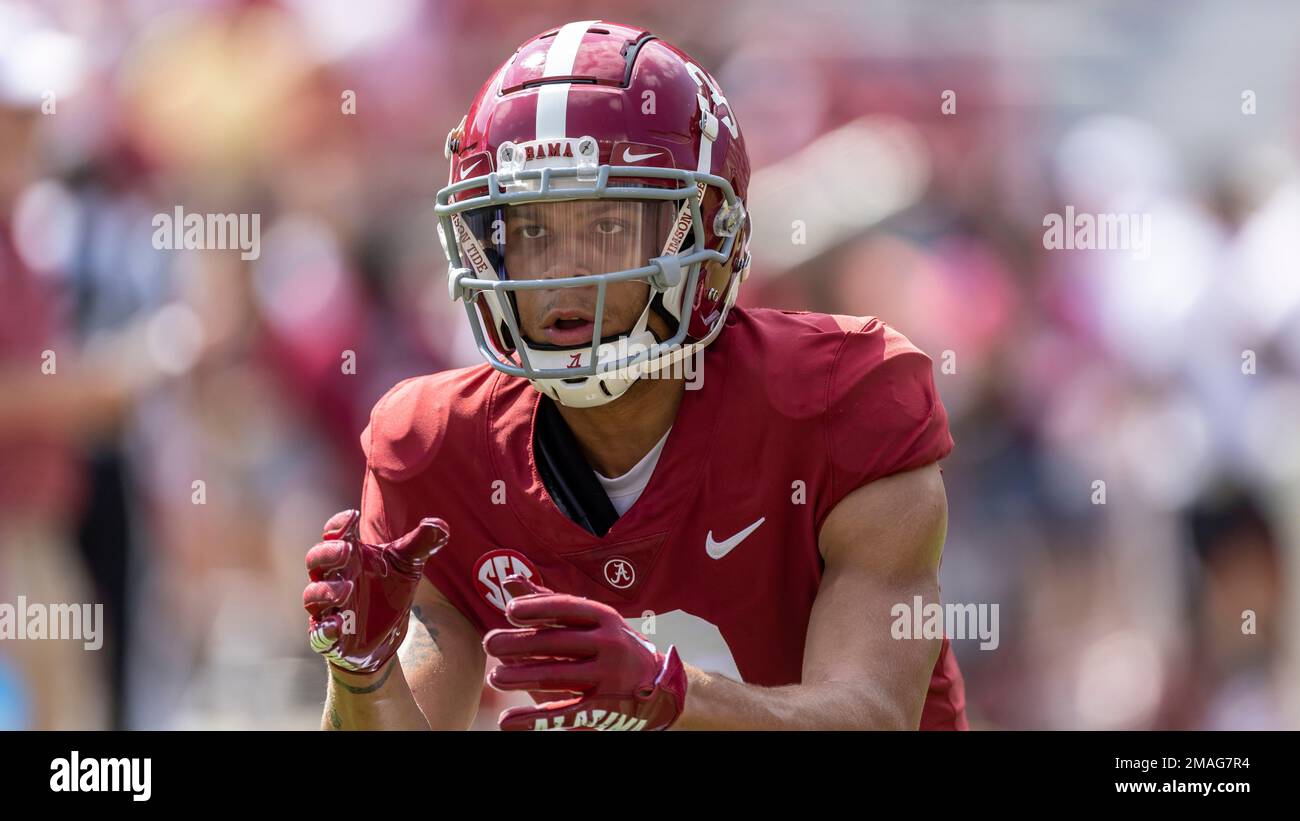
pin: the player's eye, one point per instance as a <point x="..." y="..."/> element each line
<point x="532" y="231"/>
<point x="608" y="227"/>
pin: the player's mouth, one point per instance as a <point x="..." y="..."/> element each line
<point x="569" y="326"/>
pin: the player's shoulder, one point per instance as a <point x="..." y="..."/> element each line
<point x="826" y="350"/>
<point x="409" y="424"/>
<point x="855" y="384"/>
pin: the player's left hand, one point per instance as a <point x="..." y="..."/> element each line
<point x="570" y="644"/>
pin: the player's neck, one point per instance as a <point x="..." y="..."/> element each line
<point x="617" y="435"/>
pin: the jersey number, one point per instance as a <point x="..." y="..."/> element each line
<point x="698" y="642"/>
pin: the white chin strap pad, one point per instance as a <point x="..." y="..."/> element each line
<point x="589" y="391"/>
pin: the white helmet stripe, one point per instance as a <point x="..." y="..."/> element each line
<point x="564" y="49"/>
<point x="553" y="98"/>
<point x="552" y="111"/>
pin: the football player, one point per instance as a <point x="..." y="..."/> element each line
<point x="638" y="549"/>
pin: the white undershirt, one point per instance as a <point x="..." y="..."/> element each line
<point x="624" y="490"/>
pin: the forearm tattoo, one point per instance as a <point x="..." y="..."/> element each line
<point x="366" y="690"/>
<point x="423" y="646"/>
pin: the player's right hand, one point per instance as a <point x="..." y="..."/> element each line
<point x="360" y="595"/>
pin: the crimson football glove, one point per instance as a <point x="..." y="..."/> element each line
<point x="360" y="595"/>
<point x="570" y="644"/>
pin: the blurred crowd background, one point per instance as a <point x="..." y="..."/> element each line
<point x="1174" y="379"/>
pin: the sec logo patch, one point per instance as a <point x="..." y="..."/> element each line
<point x="494" y="567"/>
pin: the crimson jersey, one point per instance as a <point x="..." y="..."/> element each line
<point x="719" y="555"/>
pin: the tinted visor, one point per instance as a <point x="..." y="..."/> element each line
<point x="546" y="240"/>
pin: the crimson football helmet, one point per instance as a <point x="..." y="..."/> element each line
<point x="596" y="111"/>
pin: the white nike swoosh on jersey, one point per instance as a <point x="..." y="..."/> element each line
<point x="717" y="550"/>
<point x="464" y="171"/>
<point x="628" y="156"/>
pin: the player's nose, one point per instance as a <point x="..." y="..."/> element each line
<point x="570" y="267"/>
